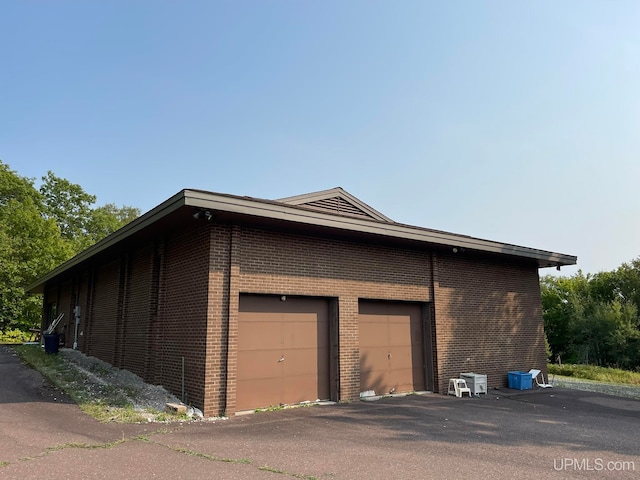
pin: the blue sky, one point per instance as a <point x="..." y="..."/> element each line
<point x="511" y="121"/>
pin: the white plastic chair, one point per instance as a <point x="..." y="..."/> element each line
<point x="539" y="378"/>
<point x="458" y="387"/>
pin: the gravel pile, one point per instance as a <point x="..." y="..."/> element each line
<point x="99" y="377"/>
<point x="629" y="391"/>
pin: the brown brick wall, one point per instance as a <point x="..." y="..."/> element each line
<point x="215" y="390"/>
<point x="136" y="312"/>
<point x="82" y="294"/>
<point x="177" y="296"/>
<point x="488" y="318"/>
<point x="182" y="315"/>
<point x="102" y="319"/>
<point x="270" y="262"/>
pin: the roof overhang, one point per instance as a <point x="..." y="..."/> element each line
<point x="275" y="211"/>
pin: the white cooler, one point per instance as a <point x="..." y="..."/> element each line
<point x="476" y="382"/>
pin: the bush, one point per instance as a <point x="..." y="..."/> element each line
<point x="14" y="336"/>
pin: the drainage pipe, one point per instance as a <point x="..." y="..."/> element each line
<point x="182" y="379"/>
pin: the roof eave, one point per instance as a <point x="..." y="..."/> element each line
<point x="135" y="226"/>
<point x="274" y="210"/>
<point x="291" y="213"/>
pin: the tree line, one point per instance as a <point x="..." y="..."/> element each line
<point x="590" y="319"/>
<point x="40" y="228"/>
<point x="593" y="319"/>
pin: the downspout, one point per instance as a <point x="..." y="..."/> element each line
<point x="76" y="312"/>
<point x="432" y="320"/>
<point x="228" y="315"/>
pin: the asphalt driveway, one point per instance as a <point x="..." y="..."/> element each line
<point x="553" y="433"/>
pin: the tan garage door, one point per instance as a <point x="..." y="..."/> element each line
<point x="283" y="351"/>
<point x="391" y="347"/>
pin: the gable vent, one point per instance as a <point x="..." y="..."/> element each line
<point x="337" y="205"/>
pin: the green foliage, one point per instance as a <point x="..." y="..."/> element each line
<point x="14" y="337"/>
<point x="39" y="230"/>
<point x="593" y="319"/>
<point x="30" y="245"/>
<point x="107" y="219"/>
<point x="67" y="204"/>
<point x="598" y="374"/>
<point x="70" y="207"/>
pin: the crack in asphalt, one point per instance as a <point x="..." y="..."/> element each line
<point x="145" y="438"/>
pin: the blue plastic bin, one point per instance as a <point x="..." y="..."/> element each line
<point x="520" y="380"/>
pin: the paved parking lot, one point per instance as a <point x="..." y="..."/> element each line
<point x="553" y="433"/>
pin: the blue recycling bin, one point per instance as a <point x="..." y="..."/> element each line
<point x="520" y="380"/>
<point x="51" y="341"/>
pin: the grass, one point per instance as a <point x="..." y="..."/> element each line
<point x="104" y="403"/>
<point x="597" y="374"/>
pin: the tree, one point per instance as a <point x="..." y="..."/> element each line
<point x="66" y="203"/>
<point x="71" y="208"/>
<point x="40" y="229"/>
<point x="107" y="219"/>
<point x="594" y="318"/>
<point x="30" y="245"/>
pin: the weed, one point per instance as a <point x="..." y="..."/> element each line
<point x="283" y="472"/>
<point x="87" y="446"/>
<point x="192" y="453"/>
<point x="3" y="464"/>
<point x="98" y="369"/>
<point x="276" y="408"/>
<point x="598" y="374"/>
<point x="272" y="470"/>
<point x="270" y="408"/>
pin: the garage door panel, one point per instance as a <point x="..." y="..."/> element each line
<point x="300" y="334"/>
<point x="399" y="331"/>
<point x="296" y="331"/>
<point x="299" y="389"/>
<point x="261" y="364"/>
<point x="405" y="380"/>
<point x="257" y="335"/>
<point x="401" y="354"/>
<point x="267" y="390"/>
<point x="300" y="362"/>
<point x="374" y="333"/>
<point x="391" y="347"/>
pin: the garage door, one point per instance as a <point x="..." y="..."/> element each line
<point x="391" y="347"/>
<point x="283" y="351"/>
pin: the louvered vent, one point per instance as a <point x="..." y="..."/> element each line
<point x="337" y="205"/>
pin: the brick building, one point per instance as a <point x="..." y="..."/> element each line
<point x="236" y="303"/>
